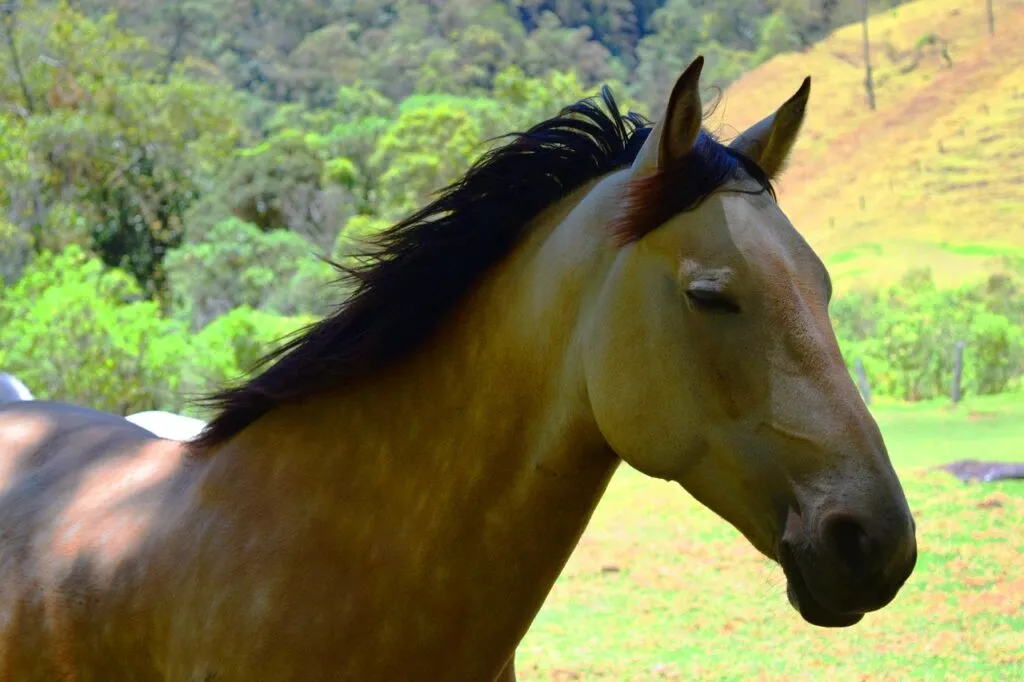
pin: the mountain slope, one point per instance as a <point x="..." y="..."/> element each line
<point x="935" y="175"/>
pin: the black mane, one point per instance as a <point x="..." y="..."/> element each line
<point x="422" y="266"/>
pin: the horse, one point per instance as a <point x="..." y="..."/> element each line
<point x="393" y="493"/>
<point x="12" y="389"/>
<point x="168" y="424"/>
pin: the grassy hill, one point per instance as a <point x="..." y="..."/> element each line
<point x="935" y="175"/>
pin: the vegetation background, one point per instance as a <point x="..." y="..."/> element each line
<point x="171" y="172"/>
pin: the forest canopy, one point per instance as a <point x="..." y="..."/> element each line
<point x="131" y="127"/>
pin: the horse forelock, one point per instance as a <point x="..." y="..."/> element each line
<point x="653" y="199"/>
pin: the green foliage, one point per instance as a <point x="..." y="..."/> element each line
<point x="105" y="139"/>
<point x="777" y="35"/>
<point x="354" y="240"/>
<point x="907" y="336"/>
<point x="15" y="251"/>
<point x="236" y="264"/>
<point x="341" y="171"/>
<point x="528" y="100"/>
<point x="302" y="53"/>
<point x="344" y="137"/>
<point x="995" y="361"/>
<point x="279" y="183"/>
<point x="249" y="334"/>
<point x="434" y="138"/>
<point x="16" y="171"/>
<point x="76" y="331"/>
<point x="431" y="143"/>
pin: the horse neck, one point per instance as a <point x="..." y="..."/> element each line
<point x="488" y="419"/>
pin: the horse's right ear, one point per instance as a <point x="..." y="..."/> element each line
<point x="769" y="141"/>
<point x="674" y="134"/>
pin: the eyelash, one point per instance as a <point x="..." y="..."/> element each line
<point x="712" y="302"/>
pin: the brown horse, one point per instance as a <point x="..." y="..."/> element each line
<point x="394" y="495"/>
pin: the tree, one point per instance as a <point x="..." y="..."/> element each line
<point x="237" y="264"/>
<point x="114" y="150"/>
<point x="9" y="26"/>
<point x="77" y="331"/>
<point x="279" y="184"/>
<point x="525" y="101"/>
<point x="431" y="143"/>
<point x="869" y="85"/>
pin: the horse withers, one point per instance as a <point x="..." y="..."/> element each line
<point x="395" y="493"/>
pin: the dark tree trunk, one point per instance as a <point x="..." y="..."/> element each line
<point x="869" y="85"/>
<point x="9" y="15"/>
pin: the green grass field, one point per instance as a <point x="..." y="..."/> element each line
<point x="660" y="588"/>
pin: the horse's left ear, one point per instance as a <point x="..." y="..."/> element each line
<point x="674" y="134"/>
<point x="769" y="141"/>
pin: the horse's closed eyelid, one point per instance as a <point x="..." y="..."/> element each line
<point x="708" y="286"/>
<point x="712" y="300"/>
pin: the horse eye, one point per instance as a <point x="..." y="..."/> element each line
<point x="712" y="301"/>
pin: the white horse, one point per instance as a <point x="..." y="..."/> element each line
<point x="167" y="424"/>
<point x="161" y="424"/>
<point x="12" y="389"/>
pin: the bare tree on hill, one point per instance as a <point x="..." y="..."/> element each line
<point x="869" y="85"/>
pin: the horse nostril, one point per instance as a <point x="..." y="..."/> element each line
<point x="852" y="546"/>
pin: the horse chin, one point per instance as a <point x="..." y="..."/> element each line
<point x="816" y="614"/>
<point x="809" y="608"/>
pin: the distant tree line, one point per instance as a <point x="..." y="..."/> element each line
<point x="906" y="337"/>
<point x="129" y="126"/>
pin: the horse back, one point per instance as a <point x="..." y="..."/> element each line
<point x="81" y="497"/>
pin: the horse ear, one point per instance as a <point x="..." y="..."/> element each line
<point x="674" y="134"/>
<point x="769" y="141"/>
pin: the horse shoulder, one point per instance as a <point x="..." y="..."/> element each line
<point x="82" y="495"/>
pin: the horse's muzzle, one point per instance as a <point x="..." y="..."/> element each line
<point x="848" y="567"/>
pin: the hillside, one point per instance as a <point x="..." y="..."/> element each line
<point x="934" y="176"/>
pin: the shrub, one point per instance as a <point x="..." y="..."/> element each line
<point x="237" y="264"/>
<point x="78" y="332"/>
<point x="249" y="335"/>
<point x="906" y="336"/>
